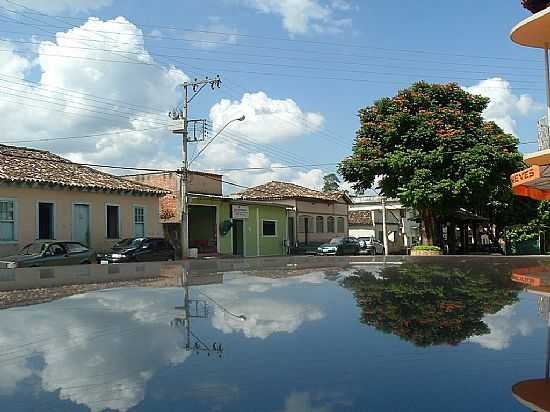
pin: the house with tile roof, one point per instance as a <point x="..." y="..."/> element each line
<point x="315" y="216"/>
<point x="45" y="197"/>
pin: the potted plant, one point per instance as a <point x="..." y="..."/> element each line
<point x="426" y="250"/>
<point x="534" y="6"/>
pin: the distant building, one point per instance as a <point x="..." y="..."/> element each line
<point x="314" y="216"/>
<point x="365" y="220"/>
<point x="46" y="197"/>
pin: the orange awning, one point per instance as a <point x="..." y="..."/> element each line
<point x="533" y="182"/>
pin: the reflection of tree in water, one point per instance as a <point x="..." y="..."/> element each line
<point x="430" y="305"/>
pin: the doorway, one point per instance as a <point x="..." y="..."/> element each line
<point x="81" y="224"/>
<point x="291" y="239"/>
<point x="46" y="221"/>
<point x="238" y="237"/>
<point x="203" y="228"/>
<point x="306" y="228"/>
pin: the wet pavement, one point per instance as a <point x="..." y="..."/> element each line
<point x="288" y="335"/>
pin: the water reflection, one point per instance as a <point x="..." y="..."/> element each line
<point x="101" y="350"/>
<point x="535" y="393"/>
<point x="430" y="305"/>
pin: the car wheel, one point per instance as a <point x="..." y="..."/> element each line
<point x="86" y="262"/>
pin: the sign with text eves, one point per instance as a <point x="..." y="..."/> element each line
<point x="525" y="176"/>
<point x="240" y="212"/>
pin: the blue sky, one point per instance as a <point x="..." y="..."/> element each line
<point x="307" y="65"/>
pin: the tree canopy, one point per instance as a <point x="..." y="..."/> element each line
<point x="430" y="305"/>
<point x="433" y="150"/>
<point x="331" y="183"/>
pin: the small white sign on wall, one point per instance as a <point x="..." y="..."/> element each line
<point x="240" y="212"/>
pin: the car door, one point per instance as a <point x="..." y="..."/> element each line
<point x="54" y="255"/>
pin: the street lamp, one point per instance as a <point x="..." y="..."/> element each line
<point x="238" y="119"/>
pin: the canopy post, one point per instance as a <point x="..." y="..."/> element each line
<point x="547" y="76"/>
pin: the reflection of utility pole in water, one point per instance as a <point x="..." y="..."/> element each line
<point x="193" y="308"/>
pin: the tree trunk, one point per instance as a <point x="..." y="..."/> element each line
<point x="451" y="238"/>
<point x="430" y="231"/>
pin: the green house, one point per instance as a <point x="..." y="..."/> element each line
<point x="221" y="225"/>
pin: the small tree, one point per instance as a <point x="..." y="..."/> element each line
<point x="534" y="6"/>
<point x="434" y="151"/>
<point x="331" y="183"/>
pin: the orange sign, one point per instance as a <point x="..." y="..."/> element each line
<point x="526" y="175"/>
<point x="526" y="280"/>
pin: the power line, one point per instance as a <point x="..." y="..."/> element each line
<point x="290" y="40"/>
<point x="68" y="162"/>
<point x="270" y="64"/>
<point x="84" y="136"/>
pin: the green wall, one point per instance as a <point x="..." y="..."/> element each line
<point x="268" y="246"/>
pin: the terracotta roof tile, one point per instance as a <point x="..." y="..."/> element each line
<point x="24" y="165"/>
<point x="282" y="190"/>
<point x="360" y="217"/>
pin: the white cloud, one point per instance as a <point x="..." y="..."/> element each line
<point x="137" y="95"/>
<point x="54" y="6"/>
<point x="504" y="325"/>
<point x="505" y="107"/>
<point x="213" y="35"/>
<point x="304" y="16"/>
<point x="268" y="122"/>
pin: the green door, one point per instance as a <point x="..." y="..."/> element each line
<point x="238" y="238"/>
<point x="81" y="224"/>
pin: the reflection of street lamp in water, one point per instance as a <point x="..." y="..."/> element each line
<point x="224" y="309"/>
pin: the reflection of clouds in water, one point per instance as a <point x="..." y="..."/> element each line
<point x="91" y="355"/>
<point x="100" y="349"/>
<point x="265" y="317"/>
<point x="321" y="402"/>
<point x="504" y="325"/>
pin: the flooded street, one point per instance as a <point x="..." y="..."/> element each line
<point x="407" y="335"/>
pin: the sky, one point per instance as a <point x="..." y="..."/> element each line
<point x="93" y="80"/>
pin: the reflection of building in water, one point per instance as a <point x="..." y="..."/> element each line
<point x="198" y="309"/>
<point x="535" y="393"/>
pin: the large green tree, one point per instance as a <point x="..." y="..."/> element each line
<point x="432" y="149"/>
<point x="431" y="305"/>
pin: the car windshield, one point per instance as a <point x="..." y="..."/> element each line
<point x="130" y="243"/>
<point x="337" y="240"/>
<point x="33" y="249"/>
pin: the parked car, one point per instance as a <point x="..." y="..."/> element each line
<point x="339" y="246"/>
<point x="49" y="254"/>
<point x="371" y="246"/>
<point x="138" y="249"/>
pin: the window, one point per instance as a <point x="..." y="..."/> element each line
<point x="139" y="221"/>
<point x="341" y="228"/>
<point x="320" y="224"/>
<point x="75" y="248"/>
<point x="113" y="220"/>
<point x="7" y="220"/>
<point x="46" y="221"/>
<point x="269" y="228"/>
<point x="330" y="224"/>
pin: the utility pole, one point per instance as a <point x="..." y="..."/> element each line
<point x="197" y="86"/>
<point x="384" y="227"/>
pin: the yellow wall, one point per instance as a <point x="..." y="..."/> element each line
<point x="27" y="199"/>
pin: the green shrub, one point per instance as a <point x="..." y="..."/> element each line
<point x="428" y="248"/>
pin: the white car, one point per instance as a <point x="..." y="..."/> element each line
<point x="371" y="246"/>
